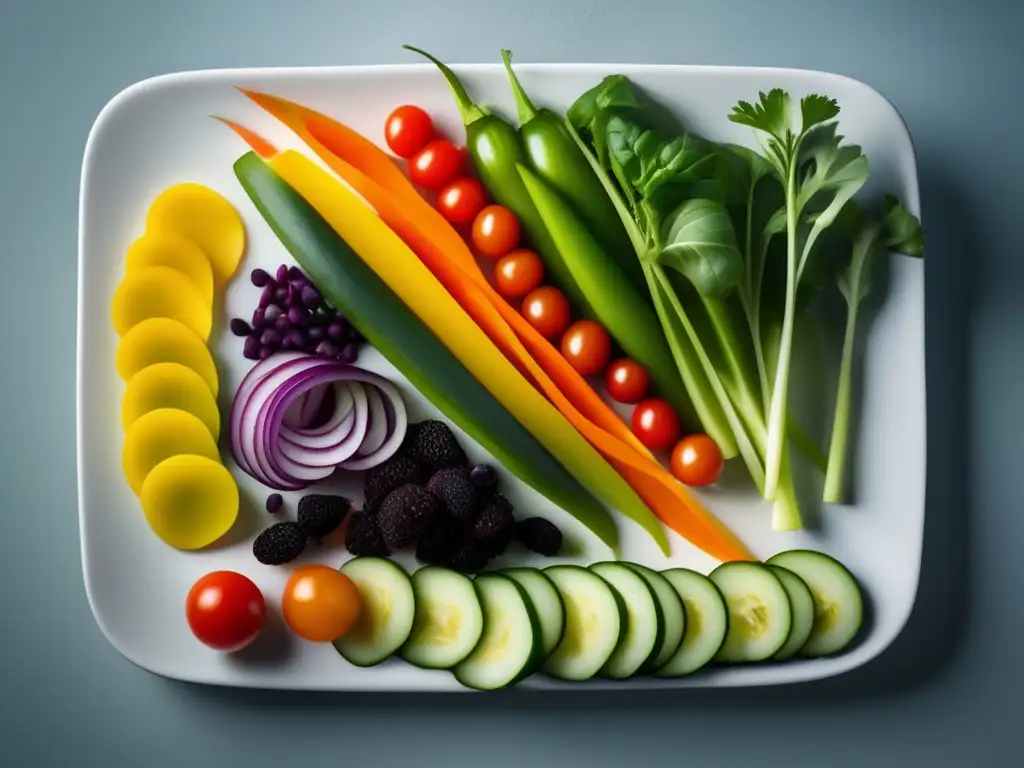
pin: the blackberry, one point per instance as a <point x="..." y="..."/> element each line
<point x="406" y="514"/>
<point x="436" y="446"/>
<point x="363" y="537"/>
<point x="456" y="492"/>
<point x="319" y="514"/>
<point x="540" y="535"/>
<point x="280" y="543"/>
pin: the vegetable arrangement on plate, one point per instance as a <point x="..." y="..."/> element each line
<point x="605" y="306"/>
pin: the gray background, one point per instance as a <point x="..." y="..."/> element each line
<point x="943" y="695"/>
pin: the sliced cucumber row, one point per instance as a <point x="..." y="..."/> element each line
<point x="613" y="619"/>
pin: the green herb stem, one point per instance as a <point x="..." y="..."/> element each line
<point x="835" y="475"/>
<point x="780" y="391"/>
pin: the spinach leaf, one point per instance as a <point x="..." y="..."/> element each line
<point x="698" y="241"/>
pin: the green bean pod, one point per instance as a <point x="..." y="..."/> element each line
<point x="556" y="158"/>
<point x="496" y="149"/>
<point x="618" y="306"/>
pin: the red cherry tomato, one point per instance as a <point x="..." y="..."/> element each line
<point x="587" y="346"/>
<point x="697" y="460"/>
<point x="547" y="310"/>
<point x="495" y="231"/>
<point x="407" y="130"/>
<point x="627" y="381"/>
<point x="320" y="604"/>
<point x="461" y="200"/>
<point x="518" y="273"/>
<point x="655" y="424"/>
<point x="437" y="164"/>
<point x="225" y="610"/>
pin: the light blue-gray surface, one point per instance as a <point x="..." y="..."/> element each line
<point x="945" y="695"/>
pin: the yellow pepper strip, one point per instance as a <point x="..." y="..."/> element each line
<point x="387" y="255"/>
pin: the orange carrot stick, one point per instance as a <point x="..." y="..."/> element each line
<point x="259" y="145"/>
<point x="669" y="500"/>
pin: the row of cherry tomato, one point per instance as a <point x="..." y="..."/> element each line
<point x="436" y="164"/>
<point x="226" y="611"/>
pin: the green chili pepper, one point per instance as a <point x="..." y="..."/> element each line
<point x="495" y="147"/>
<point x="623" y="311"/>
<point x="556" y="158"/>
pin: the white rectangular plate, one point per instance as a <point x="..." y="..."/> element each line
<point x="159" y="132"/>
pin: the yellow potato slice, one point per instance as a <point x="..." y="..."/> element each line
<point x="190" y="501"/>
<point x="169" y="385"/>
<point x="205" y="217"/>
<point x="160" y="434"/>
<point x="160" y="292"/>
<point x="169" y="249"/>
<point x="162" y="340"/>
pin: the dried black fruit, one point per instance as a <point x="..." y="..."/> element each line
<point x="437" y="447"/>
<point x="540" y="535"/>
<point x="280" y="543"/>
<point x="496" y="519"/>
<point x="456" y="492"/>
<point x="363" y="537"/>
<point x="399" y="470"/>
<point x="319" y="514"/>
<point x="406" y="514"/>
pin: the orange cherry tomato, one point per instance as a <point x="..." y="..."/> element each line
<point x="547" y="310"/>
<point x="627" y="381"/>
<point x="437" y="164"/>
<point x="320" y="604"/>
<point x="495" y="231"/>
<point x="461" y="200"/>
<point x="518" y="273"/>
<point x="407" y="130"/>
<point x="225" y="610"/>
<point x="587" y="346"/>
<point x="655" y="424"/>
<point x="697" y="460"/>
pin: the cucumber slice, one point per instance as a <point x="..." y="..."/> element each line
<point x="510" y="646"/>
<point x="389" y="608"/>
<point x="645" y="625"/>
<point x="672" y="612"/>
<point x="547" y="604"/>
<point x="838" y="602"/>
<point x="759" y="613"/>
<point x="802" y="605"/>
<point x="449" y="619"/>
<point x="707" y="622"/>
<point x="595" y="622"/>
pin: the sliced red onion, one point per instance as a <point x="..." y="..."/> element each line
<point x="398" y="422"/>
<point x="326" y="434"/>
<point x="376" y="426"/>
<point x="274" y="434"/>
<point x="340" y="448"/>
<point x="242" y="429"/>
<point x="294" y="416"/>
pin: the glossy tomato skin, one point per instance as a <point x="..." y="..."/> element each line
<point x="547" y="310"/>
<point x="495" y="231"/>
<point x="587" y="346"/>
<point x="225" y="610"/>
<point x="697" y="461"/>
<point x="627" y="381"/>
<point x="407" y="130"/>
<point x="518" y="273"/>
<point x="320" y="604"/>
<point x="461" y="201"/>
<point x="655" y="424"/>
<point x="436" y="165"/>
